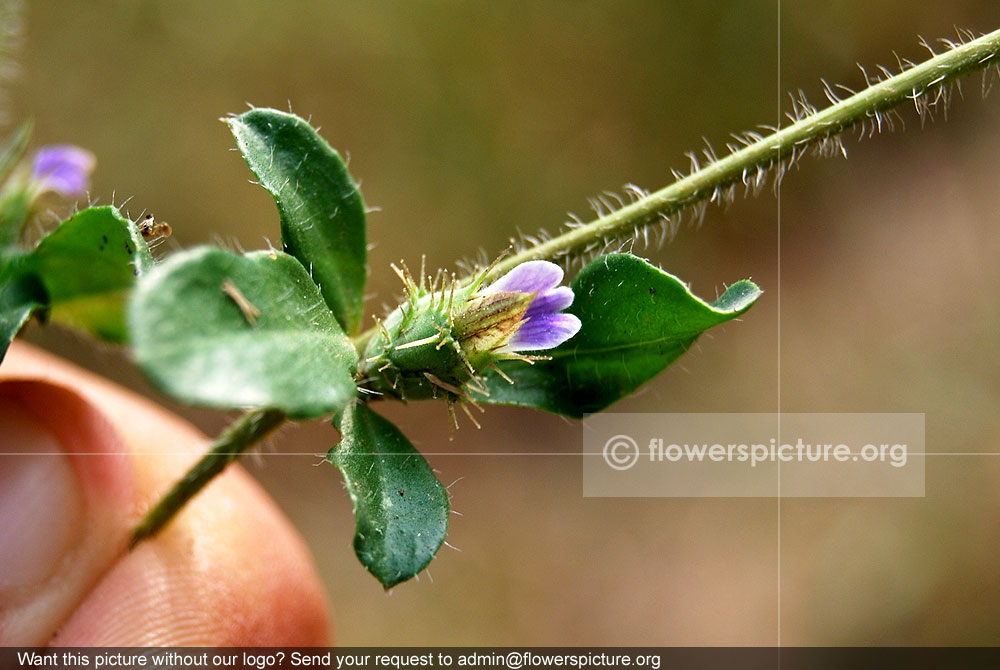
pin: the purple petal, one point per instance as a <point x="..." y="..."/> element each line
<point x="544" y="332"/>
<point x="530" y="277"/>
<point x="64" y="169"/>
<point x="550" y="302"/>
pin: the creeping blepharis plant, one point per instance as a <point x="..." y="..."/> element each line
<point x="277" y="333"/>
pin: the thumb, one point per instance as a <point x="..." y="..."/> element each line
<point x="66" y="494"/>
<point x="80" y="460"/>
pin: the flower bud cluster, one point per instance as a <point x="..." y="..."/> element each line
<point x="444" y="336"/>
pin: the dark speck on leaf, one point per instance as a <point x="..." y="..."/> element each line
<point x="401" y="492"/>
<point x="105" y="238"/>
<point x="128" y="249"/>
<point x="652" y="291"/>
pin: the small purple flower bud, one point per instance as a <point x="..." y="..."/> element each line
<point x="544" y="326"/>
<point x="488" y="320"/>
<point x="63" y="169"/>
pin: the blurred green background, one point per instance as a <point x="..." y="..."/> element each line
<point x="468" y="121"/>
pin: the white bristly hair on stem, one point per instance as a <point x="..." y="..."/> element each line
<point x="756" y="160"/>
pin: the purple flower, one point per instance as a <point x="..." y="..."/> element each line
<point x="544" y="326"/>
<point x="64" y="169"/>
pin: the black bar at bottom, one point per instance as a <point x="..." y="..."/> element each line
<point x="503" y="658"/>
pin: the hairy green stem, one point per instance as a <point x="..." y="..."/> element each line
<point x="702" y="184"/>
<point x="746" y="163"/>
<point x="231" y="443"/>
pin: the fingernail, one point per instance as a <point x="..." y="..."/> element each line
<point x="41" y="503"/>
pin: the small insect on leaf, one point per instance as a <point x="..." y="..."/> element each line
<point x="151" y="230"/>
<point x="250" y="313"/>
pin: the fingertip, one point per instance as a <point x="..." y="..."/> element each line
<point x="67" y="501"/>
<point x="228" y="570"/>
<point x="231" y="572"/>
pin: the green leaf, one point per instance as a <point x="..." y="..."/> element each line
<point x="400" y="508"/>
<point x="636" y="320"/>
<point x="87" y="266"/>
<point x="213" y="328"/>
<point x="20" y="294"/>
<point x="80" y="273"/>
<point x="322" y="213"/>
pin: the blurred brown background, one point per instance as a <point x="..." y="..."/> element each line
<point x="465" y="121"/>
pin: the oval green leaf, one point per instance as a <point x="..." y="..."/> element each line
<point x="212" y="328"/>
<point x="88" y="265"/>
<point x="400" y="508"/>
<point x="322" y="213"/>
<point x="636" y="320"/>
